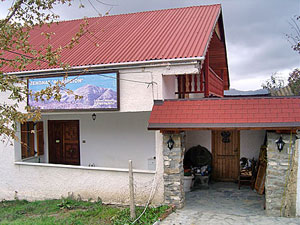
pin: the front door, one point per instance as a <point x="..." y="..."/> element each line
<point x="64" y="142"/>
<point x="226" y="155"/>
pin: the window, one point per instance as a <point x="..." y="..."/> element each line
<point x="32" y="139"/>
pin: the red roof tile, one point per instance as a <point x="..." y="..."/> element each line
<point x="226" y="113"/>
<point x="144" y="36"/>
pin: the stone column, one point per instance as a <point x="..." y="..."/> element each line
<point x="289" y="209"/>
<point x="173" y="170"/>
<point x="277" y="172"/>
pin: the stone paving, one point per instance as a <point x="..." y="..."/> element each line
<point x="224" y="203"/>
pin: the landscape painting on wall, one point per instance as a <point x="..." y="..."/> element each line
<point x="98" y="91"/>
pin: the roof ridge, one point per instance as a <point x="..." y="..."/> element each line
<point x="155" y="10"/>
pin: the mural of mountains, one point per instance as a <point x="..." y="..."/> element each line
<point x="92" y="97"/>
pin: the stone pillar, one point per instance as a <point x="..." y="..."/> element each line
<point x="276" y="180"/>
<point x="291" y="190"/>
<point x="173" y="170"/>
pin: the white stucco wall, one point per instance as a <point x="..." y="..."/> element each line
<point x="47" y="181"/>
<point x="110" y="141"/>
<point x="33" y="182"/>
<point x="169" y="87"/>
<point x="298" y="183"/>
<point x="139" y="96"/>
<point x="250" y="143"/>
<point x="198" y="137"/>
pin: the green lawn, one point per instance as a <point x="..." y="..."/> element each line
<point x="69" y="211"/>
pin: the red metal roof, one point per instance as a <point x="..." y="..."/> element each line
<point x="161" y="34"/>
<point x="269" y="112"/>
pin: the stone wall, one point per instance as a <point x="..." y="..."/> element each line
<point x="289" y="209"/>
<point x="173" y="170"/>
<point x="277" y="172"/>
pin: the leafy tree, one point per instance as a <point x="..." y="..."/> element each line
<point x="294" y="39"/>
<point x="274" y="83"/>
<point x="23" y="16"/>
<point x="294" y="81"/>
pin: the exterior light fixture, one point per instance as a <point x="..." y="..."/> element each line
<point x="280" y="144"/>
<point x="94" y="116"/>
<point x="170" y="143"/>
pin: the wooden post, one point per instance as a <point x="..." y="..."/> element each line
<point x="131" y="191"/>
<point x="206" y="71"/>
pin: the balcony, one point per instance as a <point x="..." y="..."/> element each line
<point x="191" y="84"/>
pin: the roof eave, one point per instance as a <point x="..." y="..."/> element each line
<point x="112" y="66"/>
<point x="215" y="126"/>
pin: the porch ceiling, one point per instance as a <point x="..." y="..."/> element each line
<point x="270" y="113"/>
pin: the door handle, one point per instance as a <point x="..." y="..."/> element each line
<point x="236" y="150"/>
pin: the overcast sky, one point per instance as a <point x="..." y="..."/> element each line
<point x="254" y="31"/>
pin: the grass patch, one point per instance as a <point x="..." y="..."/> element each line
<point x="149" y="217"/>
<point x="70" y="211"/>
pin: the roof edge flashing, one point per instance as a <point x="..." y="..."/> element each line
<point x="266" y="126"/>
<point x="232" y="98"/>
<point x="158" y="102"/>
<point x="111" y="66"/>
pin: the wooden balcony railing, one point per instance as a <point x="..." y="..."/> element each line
<point x="189" y="84"/>
<point x="196" y="83"/>
<point x="215" y="84"/>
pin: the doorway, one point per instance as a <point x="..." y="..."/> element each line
<point x="63" y="137"/>
<point x="226" y="155"/>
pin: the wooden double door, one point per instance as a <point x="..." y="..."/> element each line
<point x="63" y="138"/>
<point x="226" y="155"/>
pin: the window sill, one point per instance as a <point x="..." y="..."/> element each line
<point x="83" y="167"/>
<point x="31" y="157"/>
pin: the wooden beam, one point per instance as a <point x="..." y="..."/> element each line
<point x="190" y="82"/>
<point x="195" y="82"/>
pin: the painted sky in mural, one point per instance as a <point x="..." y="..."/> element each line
<point x="98" y="91"/>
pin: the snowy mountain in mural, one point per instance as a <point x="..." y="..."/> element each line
<point x="92" y="97"/>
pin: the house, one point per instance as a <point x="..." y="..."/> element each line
<point x="146" y="78"/>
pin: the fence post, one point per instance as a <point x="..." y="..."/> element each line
<point x="131" y="190"/>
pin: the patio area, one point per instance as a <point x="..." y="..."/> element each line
<point x="224" y="203"/>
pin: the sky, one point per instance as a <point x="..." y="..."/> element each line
<point x="255" y="32"/>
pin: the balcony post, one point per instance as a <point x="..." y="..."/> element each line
<point x="206" y="71"/>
